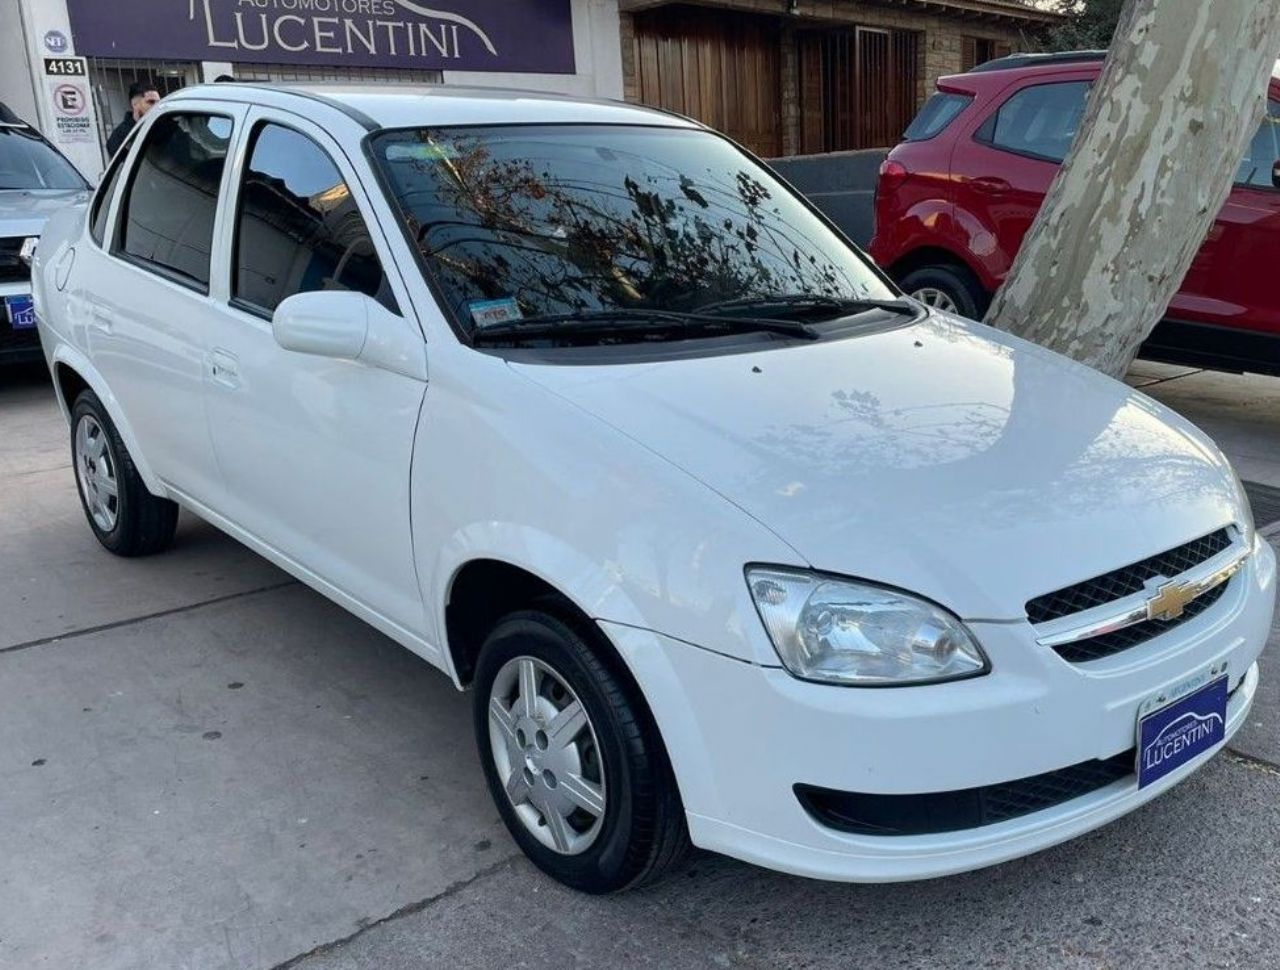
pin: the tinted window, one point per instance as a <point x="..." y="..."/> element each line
<point x="530" y="220"/>
<point x="102" y="201"/>
<point x="1264" y="151"/>
<point x="173" y="196"/>
<point x="1041" y="121"/>
<point x="938" y="112"/>
<point x="27" y="161"/>
<point x="298" y="228"/>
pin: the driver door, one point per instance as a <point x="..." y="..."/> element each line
<point x="315" y="453"/>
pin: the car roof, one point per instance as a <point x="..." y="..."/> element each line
<point x="436" y="105"/>
<point x="1055" y="59"/>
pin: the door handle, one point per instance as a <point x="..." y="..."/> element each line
<point x="224" y="369"/>
<point x="989" y="183"/>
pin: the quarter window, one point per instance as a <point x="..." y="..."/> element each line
<point x="102" y="201"/>
<point x="172" y="199"/>
<point x="298" y="228"/>
<point x="1264" y="152"/>
<point x="1039" y="121"/>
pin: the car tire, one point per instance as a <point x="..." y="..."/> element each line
<point x="613" y="760"/>
<point x="938" y="285"/>
<point x="126" y="518"/>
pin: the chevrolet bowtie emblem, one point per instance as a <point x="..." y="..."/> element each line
<point x="1171" y="601"/>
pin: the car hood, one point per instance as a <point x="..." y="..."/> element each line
<point x="942" y="457"/>
<point x="23" y="213"/>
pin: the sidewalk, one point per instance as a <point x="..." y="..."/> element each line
<point x="1240" y="412"/>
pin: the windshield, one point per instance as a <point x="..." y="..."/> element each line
<point x="519" y="222"/>
<point x="28" y="162"/>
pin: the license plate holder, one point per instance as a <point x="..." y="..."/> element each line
<point x="21" y="312"/>
<point x="1181" y="724"/>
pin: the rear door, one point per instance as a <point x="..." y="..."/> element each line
<point x="1003" y="169"/>
<point x="315" y="452"/>
<point x="146" y="299"/>
<point x="1230" y="283"/>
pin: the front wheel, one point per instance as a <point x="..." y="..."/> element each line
<point x="572" y="759"/>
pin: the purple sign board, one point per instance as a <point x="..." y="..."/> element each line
<point x="534" y="36"/>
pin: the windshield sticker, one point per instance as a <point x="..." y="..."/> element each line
<point x="487" y="313"/>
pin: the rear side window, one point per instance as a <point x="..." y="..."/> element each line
<point x="172" y="200"/>
<point x="102" y="201"/>
<point x="1264" y="151"/>
<point x="298" y="228"/>
<point x="938" y="112"/>
<point x="1039" y="121"/>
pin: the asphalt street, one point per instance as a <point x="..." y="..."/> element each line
<point x="206" y="765"/>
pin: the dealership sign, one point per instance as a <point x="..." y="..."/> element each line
<point x="534" y="36"/>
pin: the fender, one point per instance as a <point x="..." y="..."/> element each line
<point x="977" y="245"/>
<point x="943" y="227"/>
<point x="580" y="580"/>
<point x="68" y="356"/>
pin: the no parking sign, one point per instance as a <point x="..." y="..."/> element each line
<point x="72" y="124"/>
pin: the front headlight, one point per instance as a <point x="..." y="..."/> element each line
<point x="838" y="631"/>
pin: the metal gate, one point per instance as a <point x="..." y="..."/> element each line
<point x="110" y="80"/>
<point x="858" y="87"/>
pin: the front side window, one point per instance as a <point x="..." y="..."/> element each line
<point x="518" y="222"/>
<point x="1039" y="121"/>
<point x="172" y="200"/>
<point x="1260" y="161"/>
<point x="28" y="162"/>
<point x="298" y="228"/>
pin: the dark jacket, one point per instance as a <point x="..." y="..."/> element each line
<point x="120" y="134"/>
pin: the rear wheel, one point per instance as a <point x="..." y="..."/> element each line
<point x="952" y="289"/>
<point x="125" y="517"/>
<point x="572" y="759"/>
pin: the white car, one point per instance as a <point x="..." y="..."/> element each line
<point x="732" y="544"/>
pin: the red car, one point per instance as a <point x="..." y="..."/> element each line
<point x="957" y="196"/>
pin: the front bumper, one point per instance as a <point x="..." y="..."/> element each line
<point x="741" y="736"/>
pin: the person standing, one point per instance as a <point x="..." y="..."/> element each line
<point x="142" y="98"/>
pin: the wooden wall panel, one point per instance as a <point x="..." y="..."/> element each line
<point x="721" y="68"/>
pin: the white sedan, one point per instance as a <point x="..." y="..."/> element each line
<point x="733" y="545"/>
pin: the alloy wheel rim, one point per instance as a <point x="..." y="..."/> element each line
<point x="931" y="296"/>
<point x="545" y="750"/>
<point x="96" y="473"/>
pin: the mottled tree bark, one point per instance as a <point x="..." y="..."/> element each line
<point x="1180" y="97"/>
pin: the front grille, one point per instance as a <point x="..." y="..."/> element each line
<point x="12" y="268"/>
<point x="966" y="808"/>
<point x="1095" y="648"/>
<point x="1120" y="583"/>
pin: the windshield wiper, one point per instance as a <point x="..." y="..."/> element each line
<point x="635" y="322"/>
<point x="807" y="303"/>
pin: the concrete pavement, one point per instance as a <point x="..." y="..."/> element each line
<point x="206" y="765"/>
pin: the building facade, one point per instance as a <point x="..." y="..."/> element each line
<point x="801" y="77"/>
<point x="784" y="77"/>
<point x="66" y="65"/>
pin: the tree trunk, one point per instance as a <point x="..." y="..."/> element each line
<point x="1178" y="102"/>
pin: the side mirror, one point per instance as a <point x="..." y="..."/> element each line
<point x="1275" y="175"/>
<point x="344" y="325"/>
